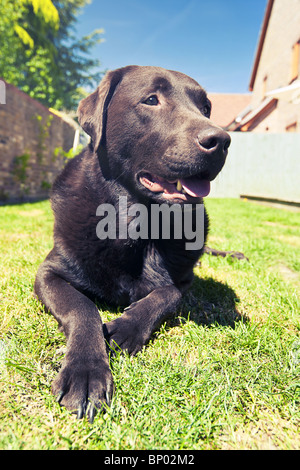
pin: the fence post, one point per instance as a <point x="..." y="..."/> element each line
<point x="2" y="92"/>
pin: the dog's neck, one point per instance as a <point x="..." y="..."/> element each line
<point x="103" y="162"/>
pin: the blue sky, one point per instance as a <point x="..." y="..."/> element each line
<point x="213" y="41"/>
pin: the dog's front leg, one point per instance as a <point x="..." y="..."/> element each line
<point x="133" y="329"/>
<point x="84" y="383"/>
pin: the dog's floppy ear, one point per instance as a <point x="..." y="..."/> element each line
<point x="92" y="110"/>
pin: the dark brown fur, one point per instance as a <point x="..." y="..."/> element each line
<point x="127" y="137"/>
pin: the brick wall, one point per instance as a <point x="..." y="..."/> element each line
<point x="275" y="66"/>
<point x="30" y="141"/>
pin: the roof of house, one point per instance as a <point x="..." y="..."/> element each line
<point x="261" y="40"/>
<point x="226" y="107"/>
<point x="263" y="109"/>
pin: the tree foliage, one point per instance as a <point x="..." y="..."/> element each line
<point x="41" y="54"/>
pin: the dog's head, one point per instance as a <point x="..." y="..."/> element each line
<point x="155" y="129"/>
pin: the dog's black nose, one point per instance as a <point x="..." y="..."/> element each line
<point x="214" y="140"/>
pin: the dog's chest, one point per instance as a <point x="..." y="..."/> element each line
<point x="114" y="270"/>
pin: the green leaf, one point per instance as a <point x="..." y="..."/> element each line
<point x="34" y="55"/>
<point x="46" y="9"/>
<point x="24" y="36"/>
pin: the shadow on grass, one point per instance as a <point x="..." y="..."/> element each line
<point x="209" y="302"/>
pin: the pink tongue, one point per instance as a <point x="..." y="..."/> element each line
<point x="196" y="187"/>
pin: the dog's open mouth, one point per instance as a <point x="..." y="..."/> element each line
<point x="183" y="188"/>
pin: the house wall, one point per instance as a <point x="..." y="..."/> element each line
<point x="275" y="66"/>
<point x="32" y="146"/>
<point x="261" y="165"/>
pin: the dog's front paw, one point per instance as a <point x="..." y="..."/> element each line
<point x="84" y="385"/>
<point x="125" y="334"/>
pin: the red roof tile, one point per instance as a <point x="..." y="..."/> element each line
<point x="226" y="107"/>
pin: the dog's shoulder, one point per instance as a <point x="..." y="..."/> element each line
<point x="70" y="176"/>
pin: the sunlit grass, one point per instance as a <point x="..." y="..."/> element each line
<point x="224" y="374"/>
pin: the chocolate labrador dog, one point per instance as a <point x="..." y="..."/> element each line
<point x="152" y="144"/>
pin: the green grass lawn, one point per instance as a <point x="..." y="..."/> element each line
<point x="224" y="374"/>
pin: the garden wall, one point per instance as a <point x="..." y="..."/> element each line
<point x="33" y="146"/>
<point x="261" y="166"/>
<point x="34" y="143"/>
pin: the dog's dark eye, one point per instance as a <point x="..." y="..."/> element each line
<point x="151" y="101"/>
<point x="206" y="111"/>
